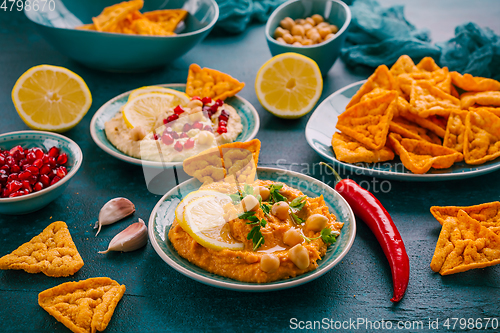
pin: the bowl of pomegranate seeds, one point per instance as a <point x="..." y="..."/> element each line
<point x="35" y="168"/>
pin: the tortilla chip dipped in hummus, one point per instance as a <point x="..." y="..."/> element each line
<point x="252" y="230"/>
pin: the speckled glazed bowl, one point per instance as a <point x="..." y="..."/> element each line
<point x="325" y="54"/>
<point x="28" y="139"/>
<point x="120" y="52"/>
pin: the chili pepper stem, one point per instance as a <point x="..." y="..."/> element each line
<point x="337" y="176"/>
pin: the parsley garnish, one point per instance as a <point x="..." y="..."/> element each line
<point x="250" y="216"/>
<point x="236" y="197"/>
<point x="266" y="208"/>
<point x="298" y="203"/>
<point x="275" y="195"/>
<point x="295" y="218"/>
<point x="255" y="235"/>
<point x="327" y="235"/>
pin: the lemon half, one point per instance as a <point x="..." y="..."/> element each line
<point x="289" y="85"/>
<point x="51" y="98"/>
<point x="143" y="109"/>
<point x="181" y="98"/>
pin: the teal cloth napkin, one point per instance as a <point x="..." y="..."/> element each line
<point x="380" y="35"/>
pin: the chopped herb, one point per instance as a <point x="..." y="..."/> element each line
<point x="236" y="197"/>
<point x="327" y="235"/>
<point x="250" y="216"/>
<point x="256" y="236"/>
<point x="295" y="218"/>
<point x="298" y="203"/>
<point x="266" y="208"/>
<point x="275" y="194"/>
<point x="247" y="190"/>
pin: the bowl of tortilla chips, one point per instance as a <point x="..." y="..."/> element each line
<point x="129" y="36"/>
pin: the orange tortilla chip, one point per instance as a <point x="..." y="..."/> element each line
<point x="419" y="156"/>
<point x="428" y="64"/>
<point x="485" y="98"/>
<point x="404" y="65"/>
<point x="90" y="26"/>
<point x="465" y="244"/>
<point x="495" y="111"/>
<point x="111" y="16"/>
<point x="426" y="100"/>
<point x="488" y="214"/>
<point x="468" y="82"/>
<point x="381" y="78"/>
<point x="146" y="27"/>
<point x="482" y="137"/>
<point x="240" y="160"/>
<point x="368" y="122"/>
<point x="52" y="252"/>
<point x="410" y="130"/>
<point x="428" y="123"/>
<point x="211" y="83"/>
<point x="84" y="306"/>
<point x="168" y="19"/>
<point x="350" y="151"/>
<point x="455" y="130"/>
<point x="206" y="166"/>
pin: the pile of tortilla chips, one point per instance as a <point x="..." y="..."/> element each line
<point x="125" y="18"/>
<point x="469" y="238"/>
<point x="427" y="115"/>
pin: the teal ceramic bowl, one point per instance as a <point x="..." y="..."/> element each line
<point x="28" y="139"/>
<point x="325" y="54"/>
<point x="120" y="52"/>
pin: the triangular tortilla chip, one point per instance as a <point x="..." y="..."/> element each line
<point x="211" y="83"/>
<point x="84" y="306"/>
<point x="411" y="130"/>
<point x="468" y="82"/>
<point x="429" y="123"/>
<point x="368" y="122"/>
<point x="381" y="78"/>
<point x="90" y="26"/>
<point x="404" y="65"/>
<point x="240" y="160"/>
<point x="168" y="19"/>
<point x="455" y="130"/>
<point x="486" y="98"/>
<point x="488" y="214"/>
<point x="207" y="166"/>
<point x="419" y="156"/>
<point x="351" y="151"/>
<point x="52" y="252"/>
<point x="113" y="15"/>
<point x="426" y="100"/>
<point x="428" y="64"/>
<point x="495" y="111"/>
<point x="482" y="137"/>
<point x="465" y="244"/>
<point x="146" y="27"/>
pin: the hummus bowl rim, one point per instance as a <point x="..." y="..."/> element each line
<point x="196" y="273"/>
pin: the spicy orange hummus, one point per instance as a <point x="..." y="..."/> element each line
<point x="285" y="234"/>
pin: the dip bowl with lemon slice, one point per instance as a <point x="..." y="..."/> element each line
<point x="203" y="201"/>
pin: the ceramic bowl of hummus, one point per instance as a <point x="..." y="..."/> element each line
<point x="186" y="137"/>
<point x="246" y="272"/>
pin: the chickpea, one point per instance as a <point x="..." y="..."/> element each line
<point x="316" y="38"/>
<point x="300" y="21"/>
<point x="310" y="21"/>
<point x="280" y="32"/>
<point x="307" y="27"/>
<point x="269" y="263"/>
<point x="323" y="32"/>
<point x="205" y="138"/>
<point x="334" y="29"/>
<point x="317" y="18"/>
<point x="287" y="23"/>
<point x="251" y="258"/>
<point x="194" y="103"/>
<point x="288" y="38"/>
<point x="137" y="133"/>
<point x="307" y="41"/>
<point x="281" y="40"/>
<point x="280" y="210"/>
<point x="327" y="37"/>
<point x="297" y="39"/>
<point x="311" y="32"/>
<point x="292" y="237"/>
<point x="196" y="116"/>
<point x="323" y="25"/>
<point x="296" y="44"/>
<point x="316" y="222"/>
<point x="299" y="256"/>
<point x="262" y="191"/>
<point x="298" y="30"/>
<point x="249" y="203"/>
<point x="177" y="126"/>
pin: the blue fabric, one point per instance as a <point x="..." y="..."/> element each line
<point x="380" y="35"/>
<point x="235" y="15"/>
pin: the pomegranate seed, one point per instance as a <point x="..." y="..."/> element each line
<point x="15" y="168"/>
<point x="3" y="178"/>
<point x="38" y="163"/>
<point x="5" y="168"/>
<point x="15" y="194"/>
<point x="31" y="157"/>
<point x="189" y="144"/>
<point x="198" y="125"/>
<point x="45" y="159"/>
<point x="61" y="172"/>
<point x="167" y="139"/>
<point x="223" y="123"/>
<point x="178" y="110"/>
<point x="38" y="187"/>
<point x="206" y="100"/>
<point x="54" y="152"/>
<point x="33" y="170"/>
<point x="214" y="108"/>
<point x="38" y="152"/>
<point x="12" y="177"/>
<point x="219" y="102"/>
<point x="45" y="180"/>
<point x="27" y="186"/>
<point x="3" y="171"/>
<point x="33" y="180"/>
<point x="14" y="186"/>
<point x="2" y="160"/>
<point x="178" y="146"/>
<point x="52" y="162"/>
<point x="25" y="167"/>
<point x="196" y="98"/>
<point x="224" y="113"/>
<point x="171" y="118"/>
<point x="186" y="127"/>
<point x="45" y="169"/>
<point x="5" y="193"/>
<point x="22" y="162"/>
<point x="10" y="161"/>
<point x="15" y="150"/>
<point x="155" y="136"/>
<point x="62" y="159"/>
<point x="171" y="132"/>
<point x="208" y="128"/>
<point x="184" y="135"/>
<point x="52" y="173"/>
<point x="24" y="175"/>
<point x="221" y="130"/>
<point x="54" y="180"/>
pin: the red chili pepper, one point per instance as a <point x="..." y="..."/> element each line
<point x="370" y="210"/>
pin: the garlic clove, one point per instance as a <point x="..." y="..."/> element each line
<point x="132" y="238"/>
<point x="113" y="211"/>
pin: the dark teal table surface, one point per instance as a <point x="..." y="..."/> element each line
<point x="158" y="299"/>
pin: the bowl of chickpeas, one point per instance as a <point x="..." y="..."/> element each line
<point x="314" y="28"/>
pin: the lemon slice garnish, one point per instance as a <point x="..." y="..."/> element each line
<point x="181" y="98"/>
<point x="51" y="98"/>
<point x="289" y="85"/>
<point x="203" y="218"/>
<point x="143" y="109"/>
